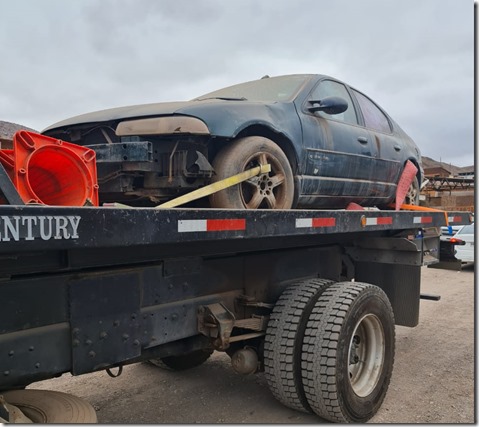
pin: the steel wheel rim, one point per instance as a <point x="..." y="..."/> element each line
<point x="366" y="355"/>
<point x="265" y="191"/>
<point x="411" y="196"/>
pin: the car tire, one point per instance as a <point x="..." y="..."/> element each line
<point x="46" y="407"/>
<point x="183" y="361"/>
<point x="412" y="196"/>
<point x="273" y="190"/>
<point x="348" y="352"/>
<point x="284" y="340"/>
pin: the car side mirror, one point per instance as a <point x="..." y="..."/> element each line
<point x="329" y="105"/>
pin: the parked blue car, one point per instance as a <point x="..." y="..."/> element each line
<point x="327" y="143"/>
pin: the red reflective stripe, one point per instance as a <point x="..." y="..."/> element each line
<point x="225" y="224"/>
<point x="426" y="219"/>
<point x="324" y="222"/>
<point x="385" y="220"/>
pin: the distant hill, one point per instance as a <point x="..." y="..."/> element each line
<point x="427" y="163"/>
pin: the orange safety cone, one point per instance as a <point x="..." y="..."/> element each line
<point x="51" y="171"/>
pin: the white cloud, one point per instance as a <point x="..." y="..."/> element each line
<point x="414" y="57"/>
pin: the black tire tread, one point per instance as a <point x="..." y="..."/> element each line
<point x="320" y="347"/>
<point x="282" y="352"/>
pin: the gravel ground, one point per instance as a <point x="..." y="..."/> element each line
<point x="433" y="379"/>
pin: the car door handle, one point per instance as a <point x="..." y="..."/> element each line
<point x="362" y="139"/>
<point x="397" y="147"/>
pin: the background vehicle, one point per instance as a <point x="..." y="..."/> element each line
<point x="465" y="253"/>
<point x="327" y="143"/>
<point x="450" y="231"/>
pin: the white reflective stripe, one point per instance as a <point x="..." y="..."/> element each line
<point x="417" y="220"/>
<point x="450" y="218"/>
<point x="371" y="221"/>
<point x="191" y="225"/>
<point x="304" y="222"/>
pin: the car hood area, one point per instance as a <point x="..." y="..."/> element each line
<point x="222" y="117"/>
<point x="119" y="113"/>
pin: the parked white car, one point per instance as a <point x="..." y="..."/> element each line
<point x="465" y="252"/>
<point x="454" y="229"/>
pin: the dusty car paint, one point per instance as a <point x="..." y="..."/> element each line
<point x="162" y="126"/>
<point x="333" y="162"/>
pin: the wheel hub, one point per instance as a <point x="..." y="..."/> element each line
<point x="265" y="185"/>
<point x="366" y="355"/>
<point x="266" y="190"/>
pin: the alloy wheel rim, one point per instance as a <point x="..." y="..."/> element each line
<point x="265" y="191"/>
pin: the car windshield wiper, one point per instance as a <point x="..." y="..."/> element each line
<point x="224" y="98"/>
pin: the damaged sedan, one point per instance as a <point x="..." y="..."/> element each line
<point x="327" y="145"/>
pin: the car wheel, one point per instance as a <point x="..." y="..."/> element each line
<point x="412" y="196"/>
<point x="46" y="406"/>
<point x="183" y="361"/>
<point x="273" y="190"/>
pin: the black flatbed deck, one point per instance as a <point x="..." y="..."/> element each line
<point x="45" y="228"/>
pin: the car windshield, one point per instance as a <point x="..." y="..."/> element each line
<point x="267" y="89"/>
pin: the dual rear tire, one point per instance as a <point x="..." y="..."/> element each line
<point x="329" y="349"/>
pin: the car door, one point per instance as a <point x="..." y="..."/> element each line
<point x="390" y="145"/>
<point x="340" y="156"/>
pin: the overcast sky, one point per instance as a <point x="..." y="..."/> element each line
<point x="415" y="58"/>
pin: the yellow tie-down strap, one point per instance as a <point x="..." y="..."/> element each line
<point x="215" y="187"/>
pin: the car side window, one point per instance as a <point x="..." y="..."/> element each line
<point x="374" y="118"/>
<point x="329" y="88"/>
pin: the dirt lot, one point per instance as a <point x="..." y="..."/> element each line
<point x="433" y="379"/>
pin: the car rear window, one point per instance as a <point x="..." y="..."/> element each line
<point x="467" y="229"/>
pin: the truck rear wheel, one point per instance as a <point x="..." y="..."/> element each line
<point x="183" y="361"/>
<point x="46" y="406"/>
<point x="283" y="341"/>
<point x="348" y="352"/>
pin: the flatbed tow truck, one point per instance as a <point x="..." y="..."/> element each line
<point x="310" y="297"/>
